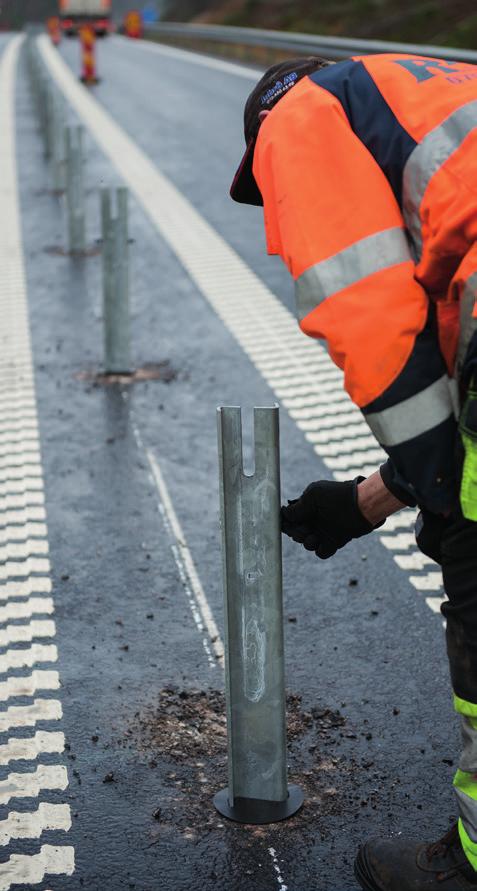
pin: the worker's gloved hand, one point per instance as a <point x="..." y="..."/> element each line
<point x="326" y="517"/>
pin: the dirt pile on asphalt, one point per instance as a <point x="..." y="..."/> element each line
<point x="184" y="735"/>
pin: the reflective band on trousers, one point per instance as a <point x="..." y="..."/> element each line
<point x="413" y="416"/>
<point x="426" y="159"/>
<point x="363" y="258"/>
<point x="465" y="782"/>
<point x="466" y="791"/>
<point x="469" y="846"/>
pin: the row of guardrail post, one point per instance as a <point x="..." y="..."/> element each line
<point x="64" y="149"/>
<point x="257" y="789"/>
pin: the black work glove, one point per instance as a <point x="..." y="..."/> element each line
<point x="326" y="517"/>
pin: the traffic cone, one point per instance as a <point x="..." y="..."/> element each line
<point x="88" y="55"/>
<point x="54" y="29"/>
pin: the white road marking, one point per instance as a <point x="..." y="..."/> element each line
<point x="28" y="748"/>
<point x="25" y="568"/>
<point x="23" y="869"/>
<point x="26" y="658"/>
<point x="405" y="519"/>
<point x="24" y="633"/>
<point x="184" y="559"/>
<point x="432" y="581"/>
<point x="11" y="474"/>
<point x="402" y="541"/>
<point x="22" y="824"/>
<point x="22" y="517"/>
<point x="9" y="534"/>
<point x="29" y="715"/>
<point x="21" y="550"/>
<point x="252" y="74"/>
<point x="19" y="485"/>
<point x="25" y="608"/>
<point x="28" y="686"/>
<point x="198" y="603"/>
<point x="22" y="500"/>
<point x="278" y="872"/>
<point x="416" y="560"/>
<point x="34" y="585"/>
<point x="435" y="603"/>
<point x="13" y="437"/>
<point x="30" y="784"/>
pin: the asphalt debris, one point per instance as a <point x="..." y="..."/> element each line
<point x="150" y="371"/>
<point x="182" y="735"/>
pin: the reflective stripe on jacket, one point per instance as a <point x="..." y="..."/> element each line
<point x="368" y="173"/>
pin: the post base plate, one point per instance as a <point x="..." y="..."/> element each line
<point x="256" y="810"/>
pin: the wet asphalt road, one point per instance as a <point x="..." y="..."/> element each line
<point x="372" y="653"/>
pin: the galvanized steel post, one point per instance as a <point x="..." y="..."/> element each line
<point x="57" y="145"/>
<point x="75" y="189"/>
<point x="49" y="121"/>
<point x="254" y="651"/>
<point x="116" y="283"/>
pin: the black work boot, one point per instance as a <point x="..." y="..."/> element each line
<point x="400" y="865"/>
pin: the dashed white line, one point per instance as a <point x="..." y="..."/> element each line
<point x="276" y="867"/>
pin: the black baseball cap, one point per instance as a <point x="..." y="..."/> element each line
<point x="274" y="84"/>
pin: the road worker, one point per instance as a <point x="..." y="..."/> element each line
<point x="367" y="173"/>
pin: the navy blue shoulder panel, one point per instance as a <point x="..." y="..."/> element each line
<point x="370" y="117"/>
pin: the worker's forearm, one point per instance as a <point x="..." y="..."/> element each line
<point x="375" y="501"/>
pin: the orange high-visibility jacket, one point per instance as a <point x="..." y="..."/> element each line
<point x="368" y="173"/>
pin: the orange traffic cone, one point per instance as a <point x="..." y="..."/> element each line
<point x="88" y="55"/>
<point x="133" y="24"/>
<point x="54" y="29"/>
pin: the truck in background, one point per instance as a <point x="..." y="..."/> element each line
<point x="75" y="13"/>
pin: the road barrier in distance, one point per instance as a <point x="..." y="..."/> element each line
<point x="75" y="198"/>
<point x="117" y="359"/>
<point x="254" y="649"/>
<point x="51" y="115"/>
<point x="265" y="46"/>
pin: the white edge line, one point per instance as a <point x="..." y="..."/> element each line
<point x="197" y="59"/>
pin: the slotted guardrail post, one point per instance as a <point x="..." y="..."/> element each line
<point x="116" y="283"/>
<point x="254" y="651"/>
<point x="75" y="189"/>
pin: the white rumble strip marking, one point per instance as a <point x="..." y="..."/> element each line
<point x="27" y="657"/>
<point x="291" y="364"/>
<point x="24" y="825"/>
<point x="24" y="567"/>
<point x="27" y="749"/>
